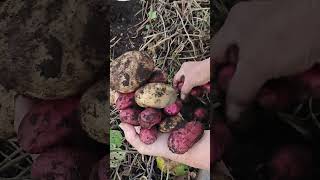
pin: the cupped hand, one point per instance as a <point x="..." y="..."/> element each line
<point x="273" y="39"/>
<point x="192" y="74"/>
<point x="198" y="156"/>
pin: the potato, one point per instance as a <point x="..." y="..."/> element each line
<point x="94" y="112"/>
<point x="206" y="87"/>
<point x="130" y="116"/>
<point x="155" y="95"/>
<point x="158" y="76"/>
<point x="181" y="140"/>
<point x="149" y="118"/>
<point x="292" y="162"/>
<point x="65" y="163"/>
<point x="173" y="109"/>
<point x="56" y="49"/>
<point x="125" y="100"/>
<point x="49" y="123"/>
<point x="171" y="123"/>
<point x="130" y="70"/>
<point x="197" y="91"/>
<point x="148" y="136"/>
<point x="7" y="113"/>
<point x="114" y="95"/>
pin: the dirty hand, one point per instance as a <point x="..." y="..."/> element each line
<point x="198" y="156"/>
<point x="193" y="73"/>
<point x="272" y="39"/>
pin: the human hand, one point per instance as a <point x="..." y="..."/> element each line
<point x="198" y="156"/>
<point x="192" y="73"/>
<point x="273" y="39"/>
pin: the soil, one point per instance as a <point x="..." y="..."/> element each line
<point x="123" y="19"/>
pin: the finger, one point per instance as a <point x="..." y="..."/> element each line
<point x="186" y="88"/>
<point x="243" y="87"/>
<point x="178" y="77"/>
<point x="131" y="135"/>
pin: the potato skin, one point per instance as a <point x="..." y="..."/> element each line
<point x="170" y="123"/>
<point x="67" y="163"/>
<point x="130" y="70"/>
<point x="155" y="95"/>
<point x="125" y="100"/>
<point x="181" y="140"/>
<point x="148" y="136"/>
<point x="46" y="55"/>
<point x="49" y="123"/>
<point x="130" y="116"/>
<point x="94" y="111"/>
<point x="173" y="109"/>
<point x="7" y="110"/>
<point x="149" y="118"/>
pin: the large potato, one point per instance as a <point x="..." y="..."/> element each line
<point x="52" y="49"/>
<point x="155" y="95"/>
<point x="130" y="70"/>
<point x="94" y="111"/>
<point x="7" y="103"/>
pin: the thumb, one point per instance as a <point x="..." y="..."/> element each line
<point x="186" y="88"/>
<point x="243" y="88"/>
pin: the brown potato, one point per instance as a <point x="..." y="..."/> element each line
<point x="94" y="112"/>
<point x="155" y="95"/>
<point x="51" y="49"/>
<point x="170" y="123"/>
<point x="130" y="70"/>
<point x="7" y="104"/>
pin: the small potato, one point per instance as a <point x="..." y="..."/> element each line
<point x="130" y="70"/>
<point x="181" y="140"/>
<point x="173" y="109"/>
<point x="155" y="95"/>
<point x="148" y="136"/>
<point x="158" y="76"/>
<point x="130" y="116"/>
<point x="125" y="100"/>
<point x="149" y="117"/>
<point x="170" y="123"/>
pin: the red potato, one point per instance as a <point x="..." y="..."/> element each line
<point x="292" y="162"/>
<point x="181" y="140"/>
<point x="49" y="123"/>
<point x="222" y="140"/>
<point x="158" y="76"/>
<point x="130" y="116"/>
<point x="311" y="79"/>
<point x="206" y="87"/>
<point x="148" y="136"/>
<point x="197" y="91"/>
<point x="149" y="117"/>
<point x="224" y="76"/>
<point x="125" y="100"/>
<point x="63" y="163"/>
<point x="173" y="109"/>
<point x="200" y="113"/>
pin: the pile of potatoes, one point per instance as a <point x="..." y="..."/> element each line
<point x="144" y="98"/>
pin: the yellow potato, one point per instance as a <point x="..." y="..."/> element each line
<point x="155" y="95"/>
<point x="130" y="70"/>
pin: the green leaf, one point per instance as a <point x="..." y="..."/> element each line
<point x="181" y="170"/>
<point x="116" y="139"/>
<point x="152" y="15"/>
<point x="116" y="157"/>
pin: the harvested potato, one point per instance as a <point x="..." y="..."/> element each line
<point x="155" y="95"/>
<point x="49" y="123"/>
<point x="173" y="109"/>
<point x="148" y="136"/>
<point x="125" y="100"/>
<point x="181" y="140"/>
<point x="158" y="76"/>
<point x="56" y="49"/>
<point x="171" y="123"/>
<point x="114" y="95"/>
<point x="7" y="105"/>
<point x="130" y="70"/>
<point x="130" y="116"/>
<point x="94" y="112"/>
<point x="149" y="117"/>
<point x="65" y="163"/>
<point x="197" y="91"/>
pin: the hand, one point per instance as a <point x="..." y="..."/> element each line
<point x="192" y="74"/>
<point x="198" y="156"/>
<point x="273" y="39"/>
